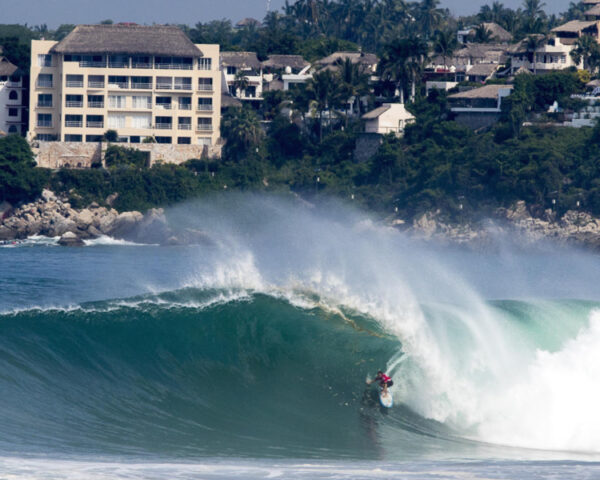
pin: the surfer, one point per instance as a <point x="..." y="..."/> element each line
<point x="384" y="380"/>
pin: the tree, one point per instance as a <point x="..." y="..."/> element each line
<point x="355" y="80"/>
<point x="444" y="44"/>
<point x="588" y="50"/>
<point x="241" y="131"/>
<point x="240" y="83"/>
<point x="20" y="179"/>
<point x="482" y="34"/>
<point x="430" y="16"/>
<point x="111" y="135"/>
<point x="325" y="94"/>
<point x="532" y="44"/>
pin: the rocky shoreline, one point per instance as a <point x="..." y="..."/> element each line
<point x="52" y="216"/>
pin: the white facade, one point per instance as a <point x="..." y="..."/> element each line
<point x="389" y="118"/>
<point x="549" y="57"/>
<point x="12" y="109"/>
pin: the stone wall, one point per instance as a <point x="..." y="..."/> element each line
<point x="83" y="155"/>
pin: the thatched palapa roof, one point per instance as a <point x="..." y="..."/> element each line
<point x="6" y="67"/>
<point x="497" y="32"/>
<point x="240" y="60"/>
<point x="295" y="62"/>
<point x="482" y="70"/>
<point x="574" y="26"/>
<point x="163" y="40"/>
<point x="355" y="57"/>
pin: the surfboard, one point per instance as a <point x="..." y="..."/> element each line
<point x="386" y="400"/>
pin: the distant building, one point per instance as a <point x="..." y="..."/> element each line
<point x="281" y="71"/>
<point x="479" y="107"/>
<point x="368" y="61"/>
<point x="389" y="118"/>
<point x="12" y="98"/>
<point x="242" y="67"/>
<point x="496" y="32"/>
<point x="149" y="83"/>
<point x="481" y="72"/>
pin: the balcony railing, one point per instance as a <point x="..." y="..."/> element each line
<point x="75" y="104"/>
<point x="185" y="106"/>
<point x="44" y="124"/>
<point x="95" y="104"/>
<point x="73" y="123"/>
<point x="141" y="85"/>
<point x="94" y="124"/>
<point x="118" y="85"/>
<point x="86" y="63"/>
<point x="93" y="84"/>
<point x="174" y="66"/>
<point x="164" y="106"/>
<point x="184" y="126"/>
<point x="203" y="87"/>
<point x="141" y="65"/>
<point x="75" y="83"/>
<point x="44" y="104"/>
<point x="204" y="128"/>
<point x="184" y="86"/>
<point x="118" y="64"/>
<point x="43" y="84"/>
<point x="164" y="126"/>
<point x="164" y="86"/>
<point x="205" y="108"/>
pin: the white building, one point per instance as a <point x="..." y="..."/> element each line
<point x="238" y="67"/>
<point x="12" y="93"/>
<point x="389" y="118"/>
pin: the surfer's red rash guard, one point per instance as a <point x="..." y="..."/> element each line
<point x="383" y="379"/>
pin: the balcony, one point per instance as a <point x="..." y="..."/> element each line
<point x="74" y="104"/>
<point x="174" y="66"/>
<point x="183" y="86"/>
<point x="75" y="83"/>
<point x="90" y="124"/>
<point x="92" y="84"/>
<point x="164" y="126"/>
<point x="73" y="123"/>
<point x="184" y="126"/>
<point x="164" y="106"/>
<point x="204" y="108"/>
<point x="164" y="86"/>
<point x="44" y="104"/>
<point x="205" y="87"/>
<point x="44" y="124"/>
<point x="141" y="86"/>
<point x="118" y="64"/>
<point x="185" y="106"/>
<point x="95" y="104"/>
<point x="204" y="128"/>
<point x="120" y="85"/>
<point x="92" y="64"/>
<point x="141" y="65"/>
<point x="44" y="84"/>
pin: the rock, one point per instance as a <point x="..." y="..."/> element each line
<point x="110" y="200"/>
<point x="93" y="206"/>
<point x="84" y="219"/>
<point x="7" y="233"/>
<point x="93" y="232"/>
<point x="124" y="225"/>
<point x="69" y="239"/>
<point x="48" y="196"/>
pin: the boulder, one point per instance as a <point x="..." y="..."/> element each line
<point x="84" y="219"/>
<point x="124" y="226"/>
<point x="69" y="239"/>
<point x="48" y="196"/>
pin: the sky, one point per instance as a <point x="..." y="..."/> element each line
<point x="189" y="12"/>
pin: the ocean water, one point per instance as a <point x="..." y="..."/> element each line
<point x="246" y="357"/>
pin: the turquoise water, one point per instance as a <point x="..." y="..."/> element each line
<point x="248" y="357"/>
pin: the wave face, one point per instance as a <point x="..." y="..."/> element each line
<point x="259" y="345"/>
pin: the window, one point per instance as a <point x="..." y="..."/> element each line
<point x="117" y="101"/>
<point x="164" y="83"/>
<point x="13" y="112"/>
<point x="44" y="80"/>
<point x="141" y="120"/>
<point x="141" y="83"/>
<point x="118" y="61"/>
<point x="12" y="129"/>
<point x="46" y="137"/>
<point x="44" y="120"/>
<point x="185" y="103"/>
<point x="563" y="59"/>
<point x="44" y="100"/>
<point x="141" y="61"/>
<point x="184" y="141"/>
<point x="184" y="123"/>
<point x="73" y="120"/>
<point x="205" y="104"/>
<point x="95" y="81"/>
<point x="207" y="142"/>
<point x="44" y="60"/>
<point x="118" y="81"/>
<point x="250" y="91"/>
<point x="13" y="95"/>
<point x="75" y="81"/>
<point x="94" y="138"/>
<point x="204" y="63"/>
<point x="205" y="84"/>
<point x="164" y="140"/>
<point x="116" y="120"/>
<point x="73" y="138"/>
<point x="165" y="123"/>
<point x="74" y="100"/>
<point x="141" y="101"/>
<point x="205" y="124"/>
<point x="231" y="70"/>
<point x="96" y="101"/>
<point x="184" y="83"/>
<point x="134" y="139"/>
<point x="95" y="121"/>
<point x="163" y="102"/>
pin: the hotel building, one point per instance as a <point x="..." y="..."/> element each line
<point x="149" y="83"/>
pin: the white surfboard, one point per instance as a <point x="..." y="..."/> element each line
<point x="386" y="399"/>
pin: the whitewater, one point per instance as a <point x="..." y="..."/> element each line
<point x="247" y="356"/>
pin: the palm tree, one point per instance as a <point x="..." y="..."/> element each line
<point x="444" y="44"/>
<point x="393" y="68"/>
<point x="324" y="93"/>
<point x="588" y="50"/>
<point x="430" y="16"/>
<point x="355" y="81"/>
<point x="241" y="131"/>
<point x="418" y="53"/>
<point x="533" y="16"/>
<point x="240" y="83"/>
<point x="482" y="34"/>
<point x="532" y="44"/>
